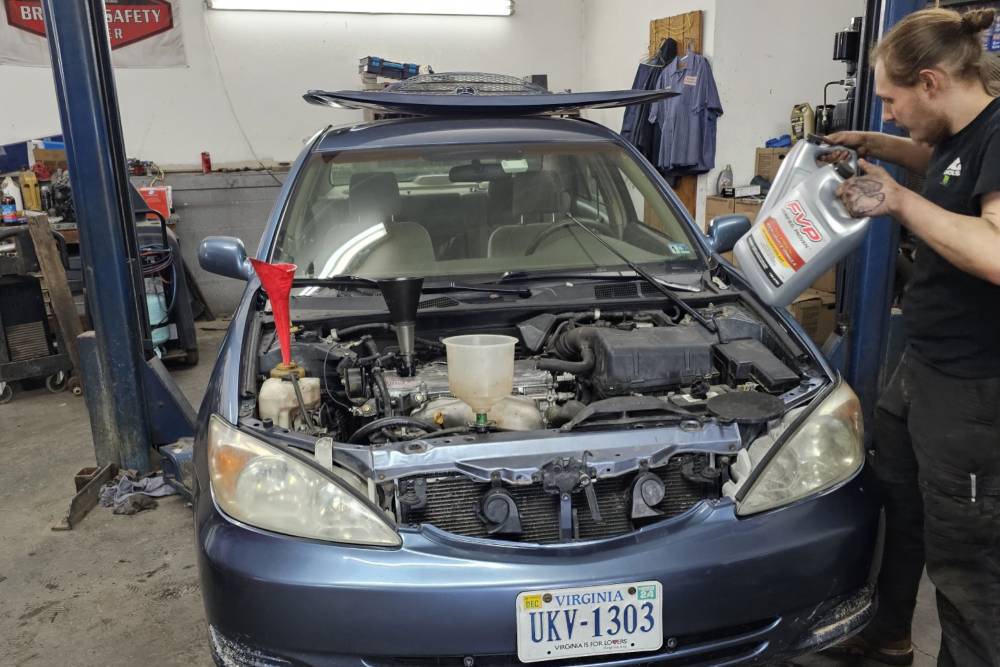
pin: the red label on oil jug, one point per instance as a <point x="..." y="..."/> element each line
<point x="787" y="240"/>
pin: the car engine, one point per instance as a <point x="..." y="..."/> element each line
<point x="385" y="387"/>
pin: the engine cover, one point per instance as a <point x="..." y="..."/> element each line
<point x="650" y="359"/>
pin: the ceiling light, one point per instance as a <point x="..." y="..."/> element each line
<point x="455" y="7"/>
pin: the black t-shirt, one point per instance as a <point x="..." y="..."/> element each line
<point x="952" y="317"/>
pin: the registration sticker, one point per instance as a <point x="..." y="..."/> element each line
<point x="532" y="601"/>
<point x="595" y="620"/>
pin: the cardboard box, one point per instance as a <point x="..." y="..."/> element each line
<point x="748" y="207"/>
<point x="827" y="319"/>
<point x="816" y="312"/>
<point x="827" y="282"/>
<point x="741" y="191"/>
<point x="716" y="206"/>
<point x="768" y="161"/>
<point x="52" y="158"/>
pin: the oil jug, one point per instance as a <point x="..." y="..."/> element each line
<point x="803" y="229"/>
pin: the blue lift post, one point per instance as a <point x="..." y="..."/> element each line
<point x="871" y="270"/>
<point x="88" y="109"/>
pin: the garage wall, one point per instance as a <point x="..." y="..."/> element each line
<point x="767" y="55"/>
<point x="761" y="75"/>
<point x="268" y="59"/>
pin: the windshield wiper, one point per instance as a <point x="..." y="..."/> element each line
<point x="611" y="276"/>
<point x="348" y="281"/>
<point x="667" y="292"/>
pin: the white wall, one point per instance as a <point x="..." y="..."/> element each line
<point x="616" y="38"/>
<point x="269" y="59"/>
<point x="767" y="55"/>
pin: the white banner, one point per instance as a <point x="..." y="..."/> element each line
<point x="143" y="33"/>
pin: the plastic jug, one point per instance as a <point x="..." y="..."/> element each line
<point x="803" y="229"/>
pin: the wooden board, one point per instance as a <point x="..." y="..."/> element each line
<point x="685" y="29"/>
<point x="682" y="28"/>
<point x="54" y="273"/>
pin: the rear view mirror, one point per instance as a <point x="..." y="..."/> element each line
<point x="476" y="172"/>
<point x="725" y="230"/>
<point x="225" y="256"/>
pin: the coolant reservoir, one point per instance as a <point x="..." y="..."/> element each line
<point x="277" y="400"/>
<point x="480" y="370"/>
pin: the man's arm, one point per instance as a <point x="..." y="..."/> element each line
<point x="903" y="151"/>
<point x="899" y="150"/>
<point x="970" y="243"/>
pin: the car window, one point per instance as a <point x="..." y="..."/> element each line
<point x="476" y="209"/>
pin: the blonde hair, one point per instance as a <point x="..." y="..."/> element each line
<point x="940" y="38"/>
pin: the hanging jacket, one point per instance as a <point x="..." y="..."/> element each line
<point x="687" y="121"/>
<point x="636" y="128"/>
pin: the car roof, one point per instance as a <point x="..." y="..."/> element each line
<point x="444" y="131"/>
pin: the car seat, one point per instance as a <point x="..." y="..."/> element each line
<point x="535" y="195"/>
<point x="396" y="249"/>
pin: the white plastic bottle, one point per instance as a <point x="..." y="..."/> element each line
<point x="802" y="231"/>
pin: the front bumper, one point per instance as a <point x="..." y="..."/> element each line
<point x="736" y="591"/>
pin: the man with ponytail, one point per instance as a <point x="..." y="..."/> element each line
<point x="936" y="450"/>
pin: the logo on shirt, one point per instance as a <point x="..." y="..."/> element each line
<point x="954" y="170"/>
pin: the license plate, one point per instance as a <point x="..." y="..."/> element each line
<point x="595" y="620"/>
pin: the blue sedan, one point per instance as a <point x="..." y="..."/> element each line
<point x="492" y="398"/>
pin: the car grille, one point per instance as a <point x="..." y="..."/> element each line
<point x="453" y="504"/>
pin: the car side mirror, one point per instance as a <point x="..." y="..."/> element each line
<point x="725" y="230"/>
<point x="225" y="256"/>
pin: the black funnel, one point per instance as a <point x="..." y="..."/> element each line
<point x="402" y="296"/>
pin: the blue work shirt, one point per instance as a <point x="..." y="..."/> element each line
<point x="687" y="121"/>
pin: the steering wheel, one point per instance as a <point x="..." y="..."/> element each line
<point x="549" y="231"/>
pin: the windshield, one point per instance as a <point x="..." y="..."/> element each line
<point x="476" y="209"/>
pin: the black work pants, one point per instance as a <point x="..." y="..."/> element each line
<point x="937" y="459"/>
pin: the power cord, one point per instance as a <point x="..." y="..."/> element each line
<point x="232" y="108"/>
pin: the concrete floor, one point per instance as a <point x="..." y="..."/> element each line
<point x="124" y="590"/>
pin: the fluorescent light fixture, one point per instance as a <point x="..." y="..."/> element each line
<point x="453" y="7"/>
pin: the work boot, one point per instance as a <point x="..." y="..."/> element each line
<point x="899" y="652"/>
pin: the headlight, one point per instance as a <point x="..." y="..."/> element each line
<point x="265" y="487"/>
<point x="824" y="451"/>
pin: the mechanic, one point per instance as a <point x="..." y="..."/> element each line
<point x="937" y="424"/>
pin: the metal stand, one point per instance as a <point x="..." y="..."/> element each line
<point x="869" y="275"/>
<point x="88" y="109"/>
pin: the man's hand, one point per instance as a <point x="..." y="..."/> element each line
<point x="856" y="140"/>
<point x="872" y="194"/>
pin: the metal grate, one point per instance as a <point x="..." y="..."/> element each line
<point x="453" y="504"/>
<point x="466" y="83"/>
<point x="439" y="302"/>
<point x="27" y="341"/>
<point x="616" y="291"/>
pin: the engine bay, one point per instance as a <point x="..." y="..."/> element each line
<point x="540" y="465"/>
<point x="563" y="363"/>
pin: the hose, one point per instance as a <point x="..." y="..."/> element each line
<point x="360" y="436"/>
<point x="384" y="390"/>
<point x="302" y="403"/>
<point x="575" y="343"/>
<point x="375" y="326"/>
